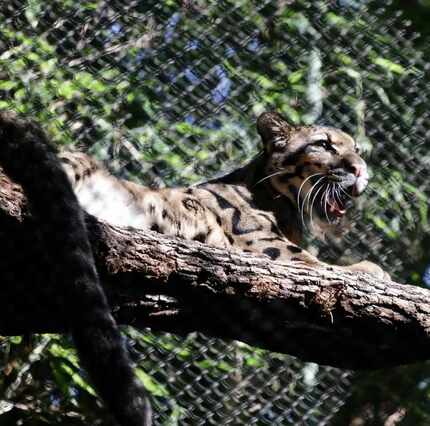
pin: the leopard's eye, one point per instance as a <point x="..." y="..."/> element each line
<point x="326" y="144"/>
<point x="323" y="143"/>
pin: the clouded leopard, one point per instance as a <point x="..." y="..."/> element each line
<point x="304" y="174"/>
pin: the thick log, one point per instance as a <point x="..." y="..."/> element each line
<point x="322" y="314"/>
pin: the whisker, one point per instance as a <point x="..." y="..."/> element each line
<point x="335" y="193"/>
<point x="301" y="206"/>
<point x="332" y="196"/>
<point x="325" y="202"/>
<point x="307" y="198"/>
<point x="301" y="186"/>
<point x="302" y="209"/>
<point x="341" y="188"/>
<point x="312" y="188"/>
<point x="279" y="172"/>
<point x="312" y="204"/>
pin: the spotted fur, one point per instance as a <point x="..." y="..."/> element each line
<point x="305" y="177"/>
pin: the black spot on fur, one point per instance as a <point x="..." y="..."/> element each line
<point x="155" y="227"/>
<point x="189" y="191"/>
<point x="266" y="216"/>
<point x="222" y="202"/>
<point x="294" y="249"/>
<point x="272" y="252"/>
<point x="229" y="238"/>
<point x="269" y="239"/>
<point x="164" y="214"/>
<point x="274" y="228"/>
<point x="218" y="219"/>
<point x="236" y="217"/>
<point x="237" y="226"/>
<point x="249" y="242"/>
<point x="201" y="237"/>
<point x="192" y="204"/>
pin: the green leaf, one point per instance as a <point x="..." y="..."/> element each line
<point x="67" y="89"/>
<point x="345" y="59"/>
<point x="382" y="95"/>
<point x="254" y="361"/>
<point x="351" y="72"/>
<point x="64" y="375"/>
<point x="5" y="105"/>
<point x="151" y="385"/>
<point x="389" y="65"/>
<point x="295" y="77"/>
<point x="86" y="80"/>
<point x="16" y="340"/>
<point x="7" y="84"/>
<point x="337" y="20"/>
<point x="384" y="227"/>
<point x="265" y="83"/>
<point x="48" y="66"/>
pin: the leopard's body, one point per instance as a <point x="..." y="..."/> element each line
<point x="305" y="174"/>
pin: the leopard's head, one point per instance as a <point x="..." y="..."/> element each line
<point x="318" y="168"/>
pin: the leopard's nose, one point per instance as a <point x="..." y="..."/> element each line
<point x="357" y="169"/>
<point x="362" y="178"/>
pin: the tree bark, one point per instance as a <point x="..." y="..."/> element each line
<point x="319" y="314"/>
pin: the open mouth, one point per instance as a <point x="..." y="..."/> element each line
<point x="334" y="203"/>
<point x="335" y="199"/>
<point x="329" y="196"/>
<point x="336" y="207"/>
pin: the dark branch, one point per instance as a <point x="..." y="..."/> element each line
<point x="318" y="314"/>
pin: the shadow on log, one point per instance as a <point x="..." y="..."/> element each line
<point x="323" y="315"/>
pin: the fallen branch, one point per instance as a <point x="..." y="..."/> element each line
<point x="318" y="314"/>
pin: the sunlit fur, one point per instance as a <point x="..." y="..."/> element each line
<point x="303" y="174"/>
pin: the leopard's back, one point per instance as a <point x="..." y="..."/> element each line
<point x="215" y="213"/>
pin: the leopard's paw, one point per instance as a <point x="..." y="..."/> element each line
<point x="369" y="268"/>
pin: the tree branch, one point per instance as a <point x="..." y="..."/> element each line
<point x="319" y="314"/>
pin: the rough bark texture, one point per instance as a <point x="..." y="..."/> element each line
<point x="318" y="314"/>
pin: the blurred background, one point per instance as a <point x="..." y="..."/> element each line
<point x="167" y="93"/>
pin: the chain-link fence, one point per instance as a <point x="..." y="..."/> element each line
<point x="168" y="93"/>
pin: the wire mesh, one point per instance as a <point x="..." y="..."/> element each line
<point x="168" y="92"/>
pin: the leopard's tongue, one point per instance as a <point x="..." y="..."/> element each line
<point x="336" y="209"/>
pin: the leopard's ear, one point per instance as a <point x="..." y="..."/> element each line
<point x="274" y="130"/>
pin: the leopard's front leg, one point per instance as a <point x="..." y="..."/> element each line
<point x="369" y="268"/>
<point x="363" y="266"/>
